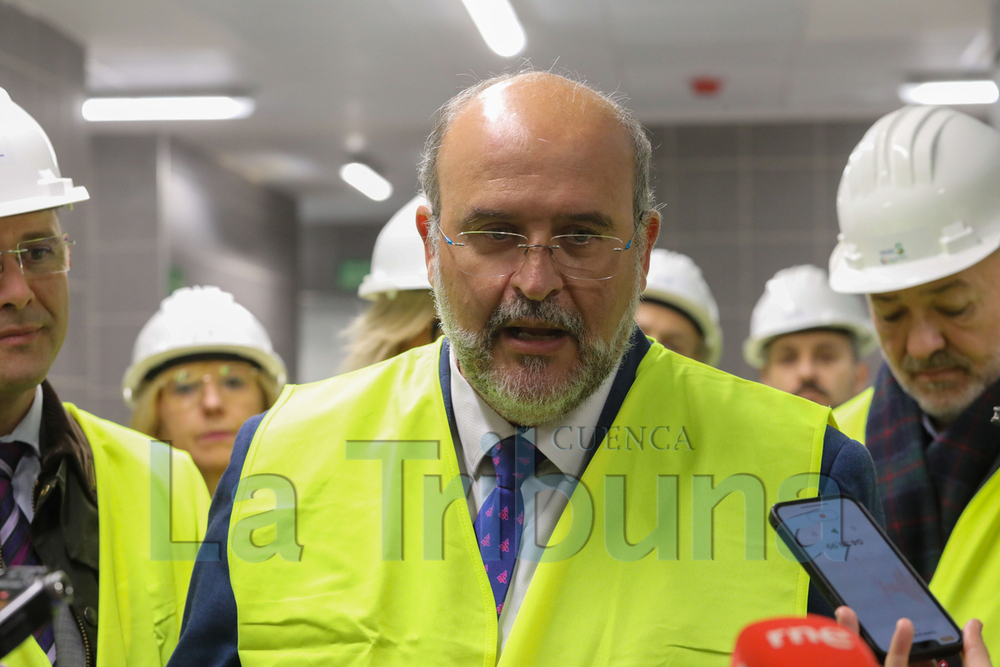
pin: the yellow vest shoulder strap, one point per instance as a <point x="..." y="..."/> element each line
<point x="852" y="416"/>
<point x="153" y="509"/>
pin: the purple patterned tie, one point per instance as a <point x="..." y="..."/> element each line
<point x="498" y="524"/>
<point x="15" y="542"/>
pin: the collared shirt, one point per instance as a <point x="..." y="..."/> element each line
<point x="546" y="495"/>
<point x="28" y="431"/>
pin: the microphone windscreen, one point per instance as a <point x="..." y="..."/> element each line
<point x="813" y="641"/>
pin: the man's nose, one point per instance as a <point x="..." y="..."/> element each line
<point x="806" y="367"/>
<point x="14" y="288"/>
<point x="538" y="276"/>
<point x="924" y="338"/>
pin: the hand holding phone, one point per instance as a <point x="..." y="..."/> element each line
<point x="853" y="563"/>
<point x="974" y="651"/>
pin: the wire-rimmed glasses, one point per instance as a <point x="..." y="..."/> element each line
<point x="38" y="257"/>
<point x="496" y="253"/>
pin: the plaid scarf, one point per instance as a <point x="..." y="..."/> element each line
<point x="926" y="482"/>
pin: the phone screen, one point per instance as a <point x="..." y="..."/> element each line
<point x="861" y="566"/>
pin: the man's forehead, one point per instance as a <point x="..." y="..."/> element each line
<point x="813" y="338"/>
<point x="27" y="226"/>
<point x="537" y="107"/>
<point x="941" y="287"/>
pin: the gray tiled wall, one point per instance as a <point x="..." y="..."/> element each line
<point x="167" y="207"/>
<point x="130" y="281"/>
<point x="744" y="201"/>
<point x="43" y="71"/>
<point x="228" y="232"/>
<point x="125" y="238"/>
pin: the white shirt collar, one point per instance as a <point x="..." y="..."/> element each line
<point x="558" y="440"/>
<point x="29" y="431"/>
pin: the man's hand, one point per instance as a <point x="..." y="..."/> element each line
<point x="974" y="653"/>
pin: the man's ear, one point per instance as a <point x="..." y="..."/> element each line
<point x="652" y="232"/>
<point x="423" y="222"/>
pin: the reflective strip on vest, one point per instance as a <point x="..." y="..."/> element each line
<point x="326" y="569"/>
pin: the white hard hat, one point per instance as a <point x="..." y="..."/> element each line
<point x="676" y="280"/>
<point x="398" y="260"/>
<point x="199" y="320"/>
<point x="918" y="201"/>
<point x="29" y="174"/>
<point x="800" y="298"/>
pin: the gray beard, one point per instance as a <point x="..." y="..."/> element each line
<point x="936" y="401"/>
<point x="525" y="396"/>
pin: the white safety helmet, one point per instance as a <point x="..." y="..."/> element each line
<point x="199" y="320"/>
<point x="918" y="201"/>
<point x="398" y="260"/>
<point x="676" y="280"/>
<point x="798" y="299"/>
<point x="29" y="174"/>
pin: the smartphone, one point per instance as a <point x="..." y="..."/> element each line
<point x="853" y="563"/>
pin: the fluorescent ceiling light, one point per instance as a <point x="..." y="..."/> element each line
<point x="366" y="180"/>
<point x="167" y="108"/>
<point x="498" y="25"/>
<point x="982" y="91"/>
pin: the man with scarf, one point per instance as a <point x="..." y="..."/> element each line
<point x="919" y="212"/>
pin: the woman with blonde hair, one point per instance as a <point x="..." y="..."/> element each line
<point x="201" y="366"/>
<point x="402" y="314"/>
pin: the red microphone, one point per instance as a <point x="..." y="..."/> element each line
<point x="813" y="641"/>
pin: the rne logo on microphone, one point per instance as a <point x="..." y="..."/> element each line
<point x="837" y="638"/>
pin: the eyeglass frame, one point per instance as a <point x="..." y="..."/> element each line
<point x="17" y="252"/>
<point x="201" y="380"/>
<point x="550" y="248"/>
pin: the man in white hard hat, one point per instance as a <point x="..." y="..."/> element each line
<point x="919" y="210"/>
<point x="76" y="492"/>
<point x="808" y="340"/>
<point x="538" y="231"/>
<point x="678" y="310"/>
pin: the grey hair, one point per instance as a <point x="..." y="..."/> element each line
<point x="643" y="201"/>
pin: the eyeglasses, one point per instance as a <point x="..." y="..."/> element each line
<point x="187" y="387"/>
<point x="41" y="256"/>
<point x="494" y="253"/>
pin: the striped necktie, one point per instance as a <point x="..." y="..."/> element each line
<point x="501" y="516"/>
<point x="15" y="540"/>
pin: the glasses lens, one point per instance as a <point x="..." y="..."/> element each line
<point x="587" y="256"/>
<point x="48" y="255"/>
<point x="488" y="253"/>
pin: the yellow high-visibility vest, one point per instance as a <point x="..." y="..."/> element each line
<point x="143" y="577"/>
<point x="967" y="578"/>
<point x="333" y="573"/>
<point x="852" y="416"/>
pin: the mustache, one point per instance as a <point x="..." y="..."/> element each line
<point x="809" y="384"/>
<point x="941" y="359"/>
<point x="547" y="311"/>
<point x="23" y="318"/>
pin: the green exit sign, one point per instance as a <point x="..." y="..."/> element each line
<point x="350" y="273"/>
